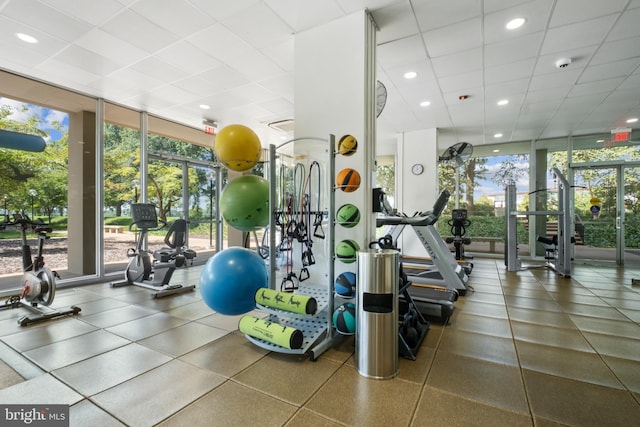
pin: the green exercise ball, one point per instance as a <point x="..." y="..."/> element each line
<point x="244" y="203"/>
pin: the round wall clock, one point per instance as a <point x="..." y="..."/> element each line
<point x="417" y="169"/>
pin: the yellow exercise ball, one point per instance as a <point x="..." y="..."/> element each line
<point x="237" y="147"/>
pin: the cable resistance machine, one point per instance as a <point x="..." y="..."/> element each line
<point x="558" y="258"/>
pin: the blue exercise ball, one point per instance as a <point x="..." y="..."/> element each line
<point x="230" y="279"/>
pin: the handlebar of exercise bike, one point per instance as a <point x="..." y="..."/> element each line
<point x="24" y="222"/>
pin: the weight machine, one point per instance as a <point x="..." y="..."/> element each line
<point x="559" y="247"/>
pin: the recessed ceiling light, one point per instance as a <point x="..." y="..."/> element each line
<point x="26" y="38"/>
<point x="410" y="75"/>
<point x="497" y="135"/>
<point x="204" y="106"/>
<point x="496" y="151"/>
<point x="503" y="102"/>
<point x="600" y="140"/>
<point x="425" y="103"/>
<point x="515" y="23"/>
<point x="632" y="120"/>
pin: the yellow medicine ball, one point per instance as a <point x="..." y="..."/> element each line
<point x="347" y="145"/>
<point x="237" y="147"/>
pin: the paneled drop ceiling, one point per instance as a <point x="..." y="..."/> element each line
<point x="169" y="57"/>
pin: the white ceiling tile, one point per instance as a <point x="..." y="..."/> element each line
<point x="255" y="66"/>
<point x="135" y="79"/>
<point x="187" y="57"/>
<point x="282" y="54"/>
<point x="422" y="68"/>
<point x="65" y="70"/>
<point x="46" y="46"/>
<point x="159" y="69"/>
<point x="512" y="50"/>
<point x="496" y="5"/>
<point x="14" y="56"/>
<point x="227" y="44"/>
<point x="395" y="22"/>
<point x="617" y="50"/>
<point x="279" y="106"/>
<point x="177" y="16"/>
<point x="222" y="9"/>
<point x="595" y="87"/>
<point x="221" y="78"/>
<point x="455" y="38"/>
<point x="535" y="12"/>
<point x="513" y="92"/>
<point x="581" y="104"/>
<point x="138" y="31"/>
<point x="439" y="14"/>
<point x="631" y="83"/>
<point x="116" y="49"/>
<point x="580" y="57"/>
<point x="93" y="12"/>
<point x="572" y="11"/>
<point x="259" y="26"/>
<point x="475" y="96"/>
<point x="511" y="71"/>
<point x="304" y="15"/>
<point x="87" y="60"/>
<point x="542" y="106"/>
<point x="46" y="19"/>
<point x="562" y="78"/>
<point x="609" y="70"/>
<point x="401" y="52"/>
<point x="577" y="35"/>
<point x="456" y="63"/>
<point x="252" y="93"/>
<point x="281" y="85"/>
<point x="554" y="93"/>
<point x="627" y="26"/>
<point x="461" y="82"/>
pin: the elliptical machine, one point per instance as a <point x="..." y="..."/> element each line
<point x="141" y="271"/>
<point x="459" y="223"/>
<point x="39" y="282"/>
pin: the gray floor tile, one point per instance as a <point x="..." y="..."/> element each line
<point x="183" y="339"/>
<point x="63" y="353"/>
<point x="30" y="338"/>
<point x="146" y="326"/>
<point x="40" y="390"/>
<point x="108" y="369"/>
<point x="157" y="394"/>
<point x="85" y="413"/>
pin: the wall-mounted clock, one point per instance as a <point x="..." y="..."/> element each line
<point x="417" y="169"/>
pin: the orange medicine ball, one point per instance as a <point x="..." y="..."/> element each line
<point x="348" y="180"/>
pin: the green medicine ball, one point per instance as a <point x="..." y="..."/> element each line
<point x="348" y="215"/>
<point x="244" y="203"/>
<point x="347" y="250"/>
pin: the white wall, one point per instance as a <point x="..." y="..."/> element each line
<point x="416" y="193"/>
<point x="334" y="93"/>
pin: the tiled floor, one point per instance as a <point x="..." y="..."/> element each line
<point x="525" y="348"/>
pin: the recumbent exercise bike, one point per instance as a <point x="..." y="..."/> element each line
<point x="156" y="275"/>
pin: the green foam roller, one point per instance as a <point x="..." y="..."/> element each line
<point x="284" y="336"/>
<point x="286" y="301"/>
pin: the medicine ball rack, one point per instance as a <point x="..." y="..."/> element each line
<point x="317" y="329"/>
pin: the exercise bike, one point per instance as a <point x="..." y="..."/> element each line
<point x="141" y="270"/>
<point x="39" y="282"/>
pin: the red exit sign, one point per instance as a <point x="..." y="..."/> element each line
<point x="209" y="129"/>
<point x="620" y="135"/>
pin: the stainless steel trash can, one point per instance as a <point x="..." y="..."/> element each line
<point x="377" y="313"/>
